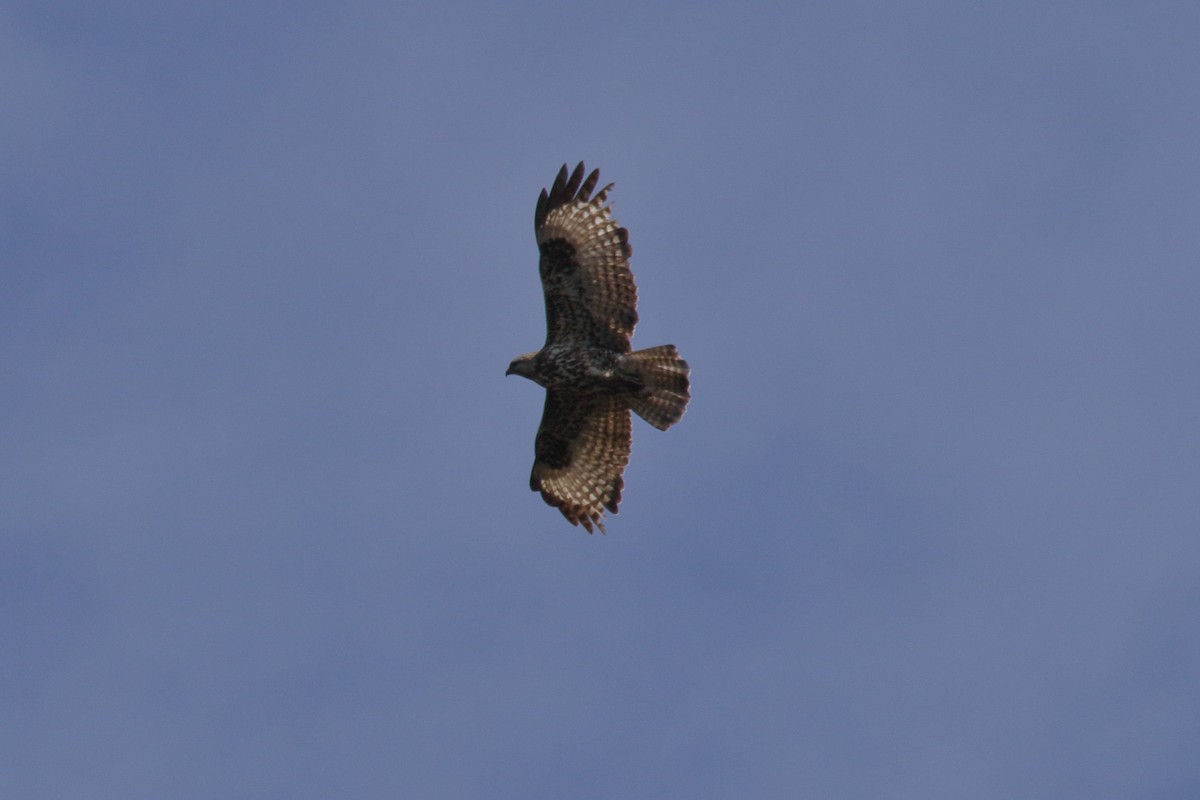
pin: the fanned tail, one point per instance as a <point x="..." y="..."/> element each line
<point x="666" y="388"/>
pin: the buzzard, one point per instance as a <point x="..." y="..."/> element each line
<point x="592" y="376"/>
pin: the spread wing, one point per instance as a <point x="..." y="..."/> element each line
<point x="590" y="294"/>
<point x="581" y="450"/>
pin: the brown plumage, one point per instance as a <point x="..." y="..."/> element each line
<point x="592" y="376"/>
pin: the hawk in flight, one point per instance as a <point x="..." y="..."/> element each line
<point x="592" y="376"/>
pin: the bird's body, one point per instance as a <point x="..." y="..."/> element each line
<point x="563" y="366"/>
<point x="592" y="376"/>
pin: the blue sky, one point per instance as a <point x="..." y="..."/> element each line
<point x="929" y="528"/>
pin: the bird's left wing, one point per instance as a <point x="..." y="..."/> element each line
<point x="584" y="264"/>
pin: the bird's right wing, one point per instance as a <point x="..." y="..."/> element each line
<point x="581" y="450"/>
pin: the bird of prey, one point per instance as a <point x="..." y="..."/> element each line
<point x="592" y="375"/>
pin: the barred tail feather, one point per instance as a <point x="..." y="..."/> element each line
<point x="665" y="386"/>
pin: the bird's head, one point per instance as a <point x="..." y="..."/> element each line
<point x="522" y="365"/>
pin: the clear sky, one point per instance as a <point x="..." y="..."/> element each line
<point x="930" y="528"/>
